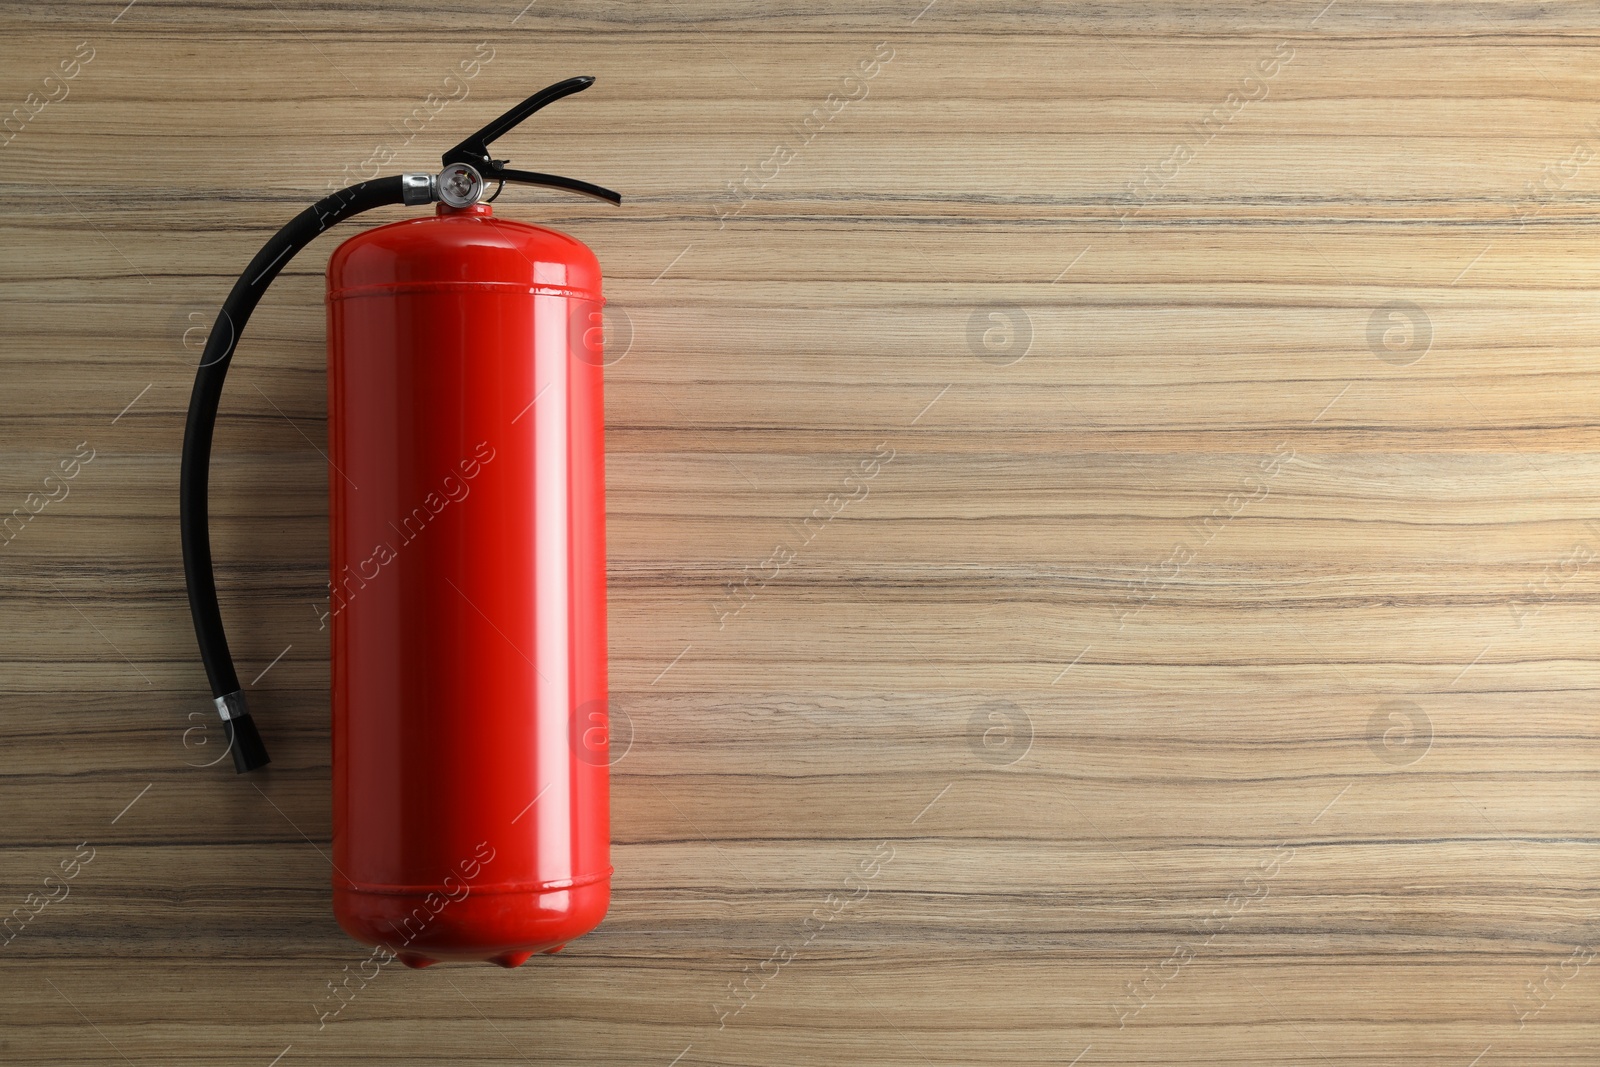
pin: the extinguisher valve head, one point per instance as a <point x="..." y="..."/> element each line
<point x="473" y="154"/>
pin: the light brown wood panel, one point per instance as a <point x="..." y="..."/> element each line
<point x="1182" y="758"/>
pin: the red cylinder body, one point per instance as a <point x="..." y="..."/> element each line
<point x="467" y="536"/>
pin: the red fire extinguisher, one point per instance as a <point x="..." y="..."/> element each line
<point x="467" y="542"/>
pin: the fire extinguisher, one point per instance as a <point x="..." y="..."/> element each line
<point x="467" y="575"/>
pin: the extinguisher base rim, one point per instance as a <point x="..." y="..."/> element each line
<point x="477" y="926"/>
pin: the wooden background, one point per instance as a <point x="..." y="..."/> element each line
<point x="1209" y="677"/>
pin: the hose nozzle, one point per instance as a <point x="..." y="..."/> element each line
<point x="244" y="740"/>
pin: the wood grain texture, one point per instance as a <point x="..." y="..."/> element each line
<point x="1208" y="678"/>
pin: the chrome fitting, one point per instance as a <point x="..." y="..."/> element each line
<point x="232" y="706"/>
<point x="417" y="188"/>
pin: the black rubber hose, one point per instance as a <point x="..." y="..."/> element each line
<point x="244" y="741"/>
